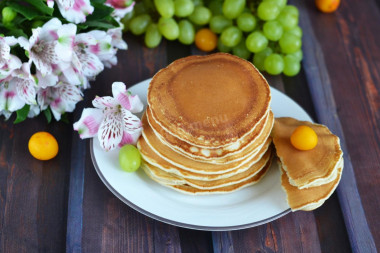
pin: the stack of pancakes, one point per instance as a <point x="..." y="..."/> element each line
<point x="207" y="125"/>
<point x="308" y="177"/>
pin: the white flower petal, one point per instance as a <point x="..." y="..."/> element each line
<point x="104" y="102"/>
<point x="88" y="125"/>
<point x="130" y="138"/>
<point x="25" y="90"/>
<point x="9" y="99"/>
<point x="127" y="101"/>
<point x="78" y="12"/>
<point x="110" y="131"/>
<point x="131" y="123"/>
<point x="47" y="80"/>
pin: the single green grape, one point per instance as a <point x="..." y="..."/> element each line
<point x="292" y="65"/>
<point x="288" y="20"/>
<point x="129" y="158"/>
<point x="298" y="54"/>
<point x="153" y="36"/>
<point x="233" y="8"/>
<point x="291" y="9"/>
<point x="165" y="8"/>
<point x="183" y="8"/>
<point x="223" y="48"/>
<point x="296" y="31"/>
<point x="272" y="30"/>
<point x="8" y="15"/>
<point x="259" y="58"/>
<point x="186" y="32"/>
<point x="215" y="7"/>
<point x="280" y="3"/>
<point x="268" y="11"/>
<point x="219" y="23"/>
<point x="168" y="28"/>
<point x="200" y="16"/>
<point x="256" y="42"/>
<point x="274" y="64"/>
<point x="231" y="36"/>
<point x="246" y="22"/>
<point x="290" y="43"/>
<point x="139" y="24"/>
<point x="241" y="50"/>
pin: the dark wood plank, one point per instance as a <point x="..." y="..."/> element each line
<point x="324" y="102"/>
<point x="33" y="193"/>
<point x="222" y="242"/>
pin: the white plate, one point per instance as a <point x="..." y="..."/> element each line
<point x="251" y="206"/>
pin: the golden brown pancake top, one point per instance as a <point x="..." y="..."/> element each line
<point x="209" y="101"/>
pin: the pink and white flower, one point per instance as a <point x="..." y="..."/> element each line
<point x="112" y="119"/>
<point x="74" y="11"/>
<point x="122" y="7"/>
<point x="50" y="44"/>
<point x="25" y="84"/>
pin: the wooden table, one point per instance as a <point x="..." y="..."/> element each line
<point x="62" y="205"/>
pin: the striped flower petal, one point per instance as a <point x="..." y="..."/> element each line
<point x="111" y="131"/>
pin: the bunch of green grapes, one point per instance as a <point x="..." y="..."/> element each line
<point x="265" y="31"/>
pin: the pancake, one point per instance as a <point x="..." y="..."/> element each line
<point x="153" y="158"/>
<point x="310" y="198"/>
<point x="226" y="189"/>
<point x="171" y="155"/>
<point x="307" y="168"/>
<point x="209" y="101"/>
<point x="214" y="154"/>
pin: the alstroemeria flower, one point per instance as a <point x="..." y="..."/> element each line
<point x="25" y="84"/>
<point x="9" y="99"/>
<point x="73" y="10"/>
<point x="103" y="48"/>
<point x="61" y="98"/>
<point x="121" y="7"/>
<point x="7" y="69"/>
<point x="50" y="44"/>
<point x="5" y="49"/>
<point x="112" y="119"/>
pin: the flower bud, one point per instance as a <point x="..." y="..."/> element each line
<point x="8" y="15"/>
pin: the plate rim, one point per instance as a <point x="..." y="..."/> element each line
<point x="177" y="223"/>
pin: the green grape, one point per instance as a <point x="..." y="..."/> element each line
<point x="231" y="36"/>
<point x="126" y="20"/>
<point x="186" y="32"/>
<point x="233" y="8"/>
<point x="216" y="7"/>
<point x="274" y="64"/>
<point x="256" y="42"/>
<point x="8" y="15"/>
<point x="290" y="43"/>
<point x="219" y="23"/>
<point x="268" y="11"/>
<point x="200" y="16"/>
<point x="291" y="65"/>
<point x="280" y="3"/>
<point x="139" y="9"/>
<point x="138" y="24"/>
<point x="183" y="8"/>
<point x="246" y="22"/>
<point x="223" y="48"/>
<point x="241" y="50"/>
<point x="272" y="30"/>
<point x="165" y="8"/>
<point x="152" y="36"/>
<point x="287" y="20"/>
<point x="291" y="9"/>
<point x="198" y="2"/>
<point x="296" y="31"/>
<point x="259" y="58"/>
<point x="298" y="55"/>
<point x="168" y="28"/>
<point x="129" y="158"/>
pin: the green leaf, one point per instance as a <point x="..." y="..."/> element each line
<point x="99" y="24"/>
<point x="22" y="114"/>
<point x="47" y="114"/>
<point x="17" y="33"/>
<point x="65" y="118"/>
<point x="97" y="2"/>
<point x="41" y="6"/>
<point x="101" y="11"/>
<point x="27" y="11"/>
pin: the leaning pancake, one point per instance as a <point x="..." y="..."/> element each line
<point x="262" y="130"/>
<point x="226" y="189"/>
<point x="171" y="155"/>
<point x="307" y="168"/>
<point x="209" y="101"/>
<point x="153" y="158"/>
<point x="310" y="198"/>
<point x="209" y="184"/>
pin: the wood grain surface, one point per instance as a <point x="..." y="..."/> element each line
<point x="40" y="207"/>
